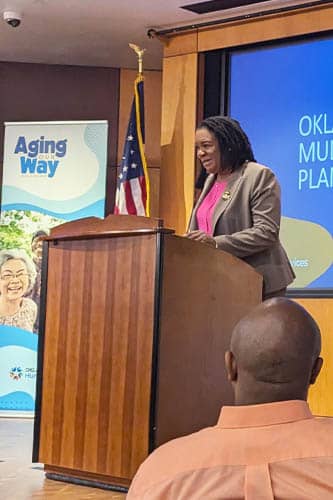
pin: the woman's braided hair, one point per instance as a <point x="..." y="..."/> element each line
<point x="235" y="147"/>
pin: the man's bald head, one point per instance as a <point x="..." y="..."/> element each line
<point x="274" y="353"/>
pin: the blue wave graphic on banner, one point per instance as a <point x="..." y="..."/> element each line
<point x="94" y="210"/>
<point x="17" y="401"/>
<point x="10" y="335"/>
<point x="33" y="202"/>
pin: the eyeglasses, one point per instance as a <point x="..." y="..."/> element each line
<point x="12" y="276"/>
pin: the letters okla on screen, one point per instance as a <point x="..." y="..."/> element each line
<point x="315" y="148"/>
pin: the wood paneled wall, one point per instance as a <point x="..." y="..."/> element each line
<point x="177" y="140"/>
<point x="153" y="92"/>
<point x="180" y="92"/>
<point x="320" y="398"/>
<point x="267" y="28"/>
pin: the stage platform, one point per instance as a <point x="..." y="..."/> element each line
<point x="22" y="480"/>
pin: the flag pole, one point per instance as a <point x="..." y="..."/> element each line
<point x="139" y="52"/>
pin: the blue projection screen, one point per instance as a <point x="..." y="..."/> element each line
<point x="283" y="97"/>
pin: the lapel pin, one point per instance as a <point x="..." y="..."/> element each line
<point x="226" y="195"/>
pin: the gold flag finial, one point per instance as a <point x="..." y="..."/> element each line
<point x="139" y="52"/>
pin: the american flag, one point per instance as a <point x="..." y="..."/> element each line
<point x="132" y="195"/>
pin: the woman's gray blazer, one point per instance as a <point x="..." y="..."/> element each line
<point x="246" y="223"/>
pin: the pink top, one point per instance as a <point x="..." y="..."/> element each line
<point x="206" y="209"/>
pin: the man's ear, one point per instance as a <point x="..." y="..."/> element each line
<point x="231" y="366"/>
<point x="316" y="370"/>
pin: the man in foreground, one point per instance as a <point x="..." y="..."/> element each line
<point x="268" y="445"/>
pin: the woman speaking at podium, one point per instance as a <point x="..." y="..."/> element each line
<point x="239" y="208"/>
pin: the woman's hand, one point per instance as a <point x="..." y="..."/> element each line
<point x="202" y="237"/>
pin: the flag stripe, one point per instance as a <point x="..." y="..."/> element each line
<point x="137" y="196"/>
<point x="128" y="198"/>
<point x="143" y="190"/>
<point x="122" y="200"/>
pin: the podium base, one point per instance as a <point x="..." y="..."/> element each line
<point x="84" y="478"/>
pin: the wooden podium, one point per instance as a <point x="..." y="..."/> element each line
<point x="134" y="325"/>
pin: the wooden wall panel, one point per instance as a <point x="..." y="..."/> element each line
<point x="320" y="399"/>
<point x="98" y="351"/>
<point x="154" y="179"/>
<point x="185" y="43"/>
<point x="32" y="92"/>
<point x="153" y="97"/>
<point x="177" y="140"/>
<point x="266" y="28"/>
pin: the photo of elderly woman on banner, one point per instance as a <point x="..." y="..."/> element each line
<point x="17" y="278"/>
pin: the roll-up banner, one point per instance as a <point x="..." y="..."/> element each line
<point x="53" y="172"/>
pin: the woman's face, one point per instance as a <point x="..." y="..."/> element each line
<point x="208" y="151"/>
<point x="14" y="279"/>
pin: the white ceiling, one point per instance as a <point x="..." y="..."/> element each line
<point x="97" y="32"/>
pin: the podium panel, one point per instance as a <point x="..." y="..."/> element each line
<point x="135" y="322"/>
<point x="204" y="293"/>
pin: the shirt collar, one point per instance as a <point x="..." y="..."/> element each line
<point x="263" y="414"/>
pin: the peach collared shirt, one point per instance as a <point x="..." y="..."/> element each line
<point x="260" y="452"/>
